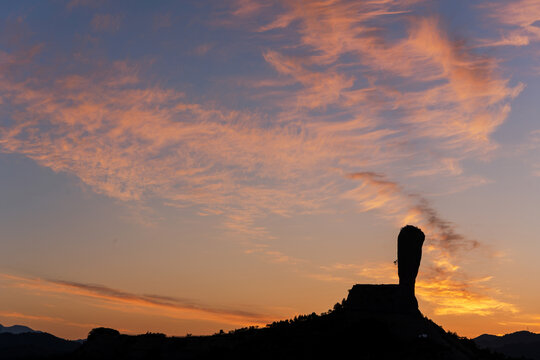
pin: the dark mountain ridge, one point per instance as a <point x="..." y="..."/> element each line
<point x="519" y="344"/>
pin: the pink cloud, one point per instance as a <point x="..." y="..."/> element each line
<point x="520" y="16"/>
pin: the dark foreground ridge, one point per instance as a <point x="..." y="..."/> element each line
<point x="35" y="345"/>
<point x="332" y="335"/>
<point x="374" y="322"/>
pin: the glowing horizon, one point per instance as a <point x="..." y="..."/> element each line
<point x="247" y="161"/>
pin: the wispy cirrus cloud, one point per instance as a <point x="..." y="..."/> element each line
<point x="521" y="18"/>
<point x="462" y="99"/>
<point x="134" y="144"/>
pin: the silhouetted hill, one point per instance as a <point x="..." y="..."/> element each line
<point x="34" y="345"/>
<point x="519" y="344"/>
<point x="338" y="333"/>
<point x="343" y="331"/>
<point x="15" y="329"/>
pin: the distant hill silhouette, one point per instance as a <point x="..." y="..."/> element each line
<point x="15" y="329"/>
<point x="519" y="344"/>
<point x="374" y="322"/>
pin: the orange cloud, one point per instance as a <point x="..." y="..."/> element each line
<point x="452" y="297"/>
<point x="443" y="288"/>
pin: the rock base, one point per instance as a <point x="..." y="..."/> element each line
<point x="390" y="299"/>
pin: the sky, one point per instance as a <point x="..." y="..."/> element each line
<point x="190" y="166"/>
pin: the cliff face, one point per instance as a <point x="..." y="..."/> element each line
<point x="386" y="299"/>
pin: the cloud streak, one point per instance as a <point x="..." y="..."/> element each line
<point x="388" y="197"/>
<point x="163" y="305"/>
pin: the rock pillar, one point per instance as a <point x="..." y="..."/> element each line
<point x="410" y="241"/>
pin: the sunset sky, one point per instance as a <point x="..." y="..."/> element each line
<point x="190" y="166"/>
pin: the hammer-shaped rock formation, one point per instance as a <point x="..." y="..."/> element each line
<point x="393" y="298"/>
